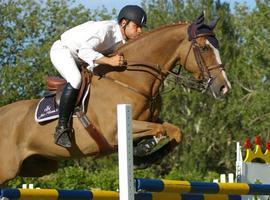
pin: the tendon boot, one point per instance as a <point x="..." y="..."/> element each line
<point x="63" y="130"/>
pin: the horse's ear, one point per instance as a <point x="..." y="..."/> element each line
<point x="200" y="19"/>
<point x="213" y="23"/>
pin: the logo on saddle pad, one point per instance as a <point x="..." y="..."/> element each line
<point x="47" y="109"/>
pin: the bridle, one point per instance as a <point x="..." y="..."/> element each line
<point x="202" y="84"/>
<point x="206" y="79"/>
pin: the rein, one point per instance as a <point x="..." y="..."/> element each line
<point x="128" y="87"/>
<point x="205" y="82"/>
<point x="160" y="75"/>
<point x="201" y="85"/>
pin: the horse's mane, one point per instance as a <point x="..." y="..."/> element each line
<point x="145" y="34"/>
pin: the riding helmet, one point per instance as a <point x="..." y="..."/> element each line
<point x="133" y="13"/>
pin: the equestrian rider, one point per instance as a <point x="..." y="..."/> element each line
<point x="90" y="42"/>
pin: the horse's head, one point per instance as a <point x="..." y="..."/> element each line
<point x="202" y="59"/>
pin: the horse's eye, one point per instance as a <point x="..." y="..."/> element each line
<point x="204" y="48"/>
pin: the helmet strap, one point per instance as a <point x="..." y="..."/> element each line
<point x="124" y="27"/>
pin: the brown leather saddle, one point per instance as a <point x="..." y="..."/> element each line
<point x="56" y="84"/>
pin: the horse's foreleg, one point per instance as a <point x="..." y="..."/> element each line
<point x="9" y="166"/>
<point x="164" y="138"/>
<point x="143" y="128"/>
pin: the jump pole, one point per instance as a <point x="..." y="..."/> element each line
<point x="125" y="152"/>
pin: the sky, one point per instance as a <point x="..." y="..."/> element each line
<point x="118" y="4"/>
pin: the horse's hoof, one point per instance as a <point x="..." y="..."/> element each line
<point x="140" y="166"/>
<point x="148" y="146"/>
<point x="144" y="147"/>
<point x="62" y="137"/>
<point x="154" y="158"/>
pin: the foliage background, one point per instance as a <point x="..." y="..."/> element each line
<point x="211" y="128"/>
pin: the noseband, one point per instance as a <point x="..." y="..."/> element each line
<point x="206" y="79"/>
<point x="202" y="84"/>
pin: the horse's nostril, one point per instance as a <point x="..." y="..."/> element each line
<point x="223" y="89"/>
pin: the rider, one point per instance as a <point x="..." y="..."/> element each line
<point x="90" y="42"/>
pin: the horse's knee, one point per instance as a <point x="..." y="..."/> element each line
<point x="173" y="132"/>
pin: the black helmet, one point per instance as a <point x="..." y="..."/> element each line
<point x="133" y="13"/>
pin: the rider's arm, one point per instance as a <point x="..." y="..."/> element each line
<point x="113" y="61"/>
<point x="93" y="58"/>
<point x="88" y="53"/>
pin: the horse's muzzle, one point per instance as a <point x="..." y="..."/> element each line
<point x="219" y="90"/>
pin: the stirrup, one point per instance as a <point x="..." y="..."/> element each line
<point x="62" y="136"/>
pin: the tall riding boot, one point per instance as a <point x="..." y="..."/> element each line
<point x="64" y="130"/>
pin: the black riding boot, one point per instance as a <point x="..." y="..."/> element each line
<point x="67" y="103"/>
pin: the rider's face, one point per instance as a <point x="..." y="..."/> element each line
<point x="132" y="30"/>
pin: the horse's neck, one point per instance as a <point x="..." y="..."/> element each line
<point x="158" y="48"/>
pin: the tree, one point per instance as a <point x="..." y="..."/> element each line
<point x="210" y="127"/>
<point x="198" y="115"/>
<point x="28" y="29"/>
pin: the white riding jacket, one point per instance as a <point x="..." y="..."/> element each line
<point x="92" y="40"/>
<point x="88" y="42"/>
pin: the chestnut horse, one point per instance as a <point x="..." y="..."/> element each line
<point x="27" y="148"/>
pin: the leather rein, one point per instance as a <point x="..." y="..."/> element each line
<point x="201" y="84"/>
<point x="206" y="79"/>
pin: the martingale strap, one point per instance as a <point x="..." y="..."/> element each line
<point x="101" y="141"/>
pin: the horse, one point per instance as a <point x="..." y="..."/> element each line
<point x="27" y="148"/>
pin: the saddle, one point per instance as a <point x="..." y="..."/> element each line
<point x="56" y="84"/>
<point x="47" y="108"/>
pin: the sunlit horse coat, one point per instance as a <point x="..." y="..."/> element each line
<point x="150" y="58"/>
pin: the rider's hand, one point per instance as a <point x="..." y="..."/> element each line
<point x="116" y="61"/>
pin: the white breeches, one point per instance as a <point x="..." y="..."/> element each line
<point x="65" y="64"/>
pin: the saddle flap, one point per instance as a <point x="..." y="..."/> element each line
<point x="55" y="83"/>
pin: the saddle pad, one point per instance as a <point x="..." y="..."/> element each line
<point x="46" y="110"/>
